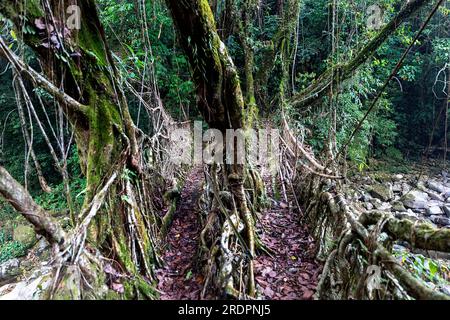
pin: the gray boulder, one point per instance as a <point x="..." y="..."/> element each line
<point x="9" y="270"/>
<point x="445" y="289"/>
<point x="32" y="288"/>
<point x="446" y="209"/>
<point x="434" y="195"/>
<point x="415" y="200"/>
<point x="436" y="186"/>
<point x="440" y="220"/>
<point x="382" y="192"/>
<point x="25" y="234"/>
<point x="433" y="211"/>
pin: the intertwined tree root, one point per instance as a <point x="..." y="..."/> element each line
<point x="350" y="242"/>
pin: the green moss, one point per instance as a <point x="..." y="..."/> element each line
<point x="92" y="45"/>
<point x="206" y="13"/>
<point x="34" y="8"/>
<point x="146" y="289"/>
<point x="112" y="295"/>
<point x="123" y="252"/>
<point x="139" y="288"/>
<point x="13" y="9"/>
<point x="148" y="250"/>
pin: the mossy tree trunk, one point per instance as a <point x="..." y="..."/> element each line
<point x="220" y="99"/>
<point x="80" y="64"/>
<point x="288" y="12"/>
<point x="245" y="27"/>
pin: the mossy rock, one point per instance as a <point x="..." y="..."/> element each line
<point x="382" y="192"/>
<point x="25" y="235"/>
<point x="398" y="206"/>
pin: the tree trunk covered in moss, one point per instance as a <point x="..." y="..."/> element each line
<point x="217" y="83"/>
<point x="420" y="235"/>
<point x="80" y="64"/>
<point x="88" y="76"/>
<point x="288" y="20"/>
<point x="245" y="35"/>
<point x="219" y="96"/>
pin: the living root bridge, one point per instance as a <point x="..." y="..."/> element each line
<point x="350" y="241"/>
<point x="230" y="229"/>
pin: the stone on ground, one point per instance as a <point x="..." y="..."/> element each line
<point x="382" y="192"/>
<point x="25" y="235"/>
<point x="415" y="200"/>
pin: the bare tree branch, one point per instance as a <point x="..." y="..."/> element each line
<point x="22" y="201"/>
<point x="40" y="80"/>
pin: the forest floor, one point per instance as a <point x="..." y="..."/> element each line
<point x="177" y="280"/>
<point x="287" y="272"/>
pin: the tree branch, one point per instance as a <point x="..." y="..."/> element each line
<point x="318" y="88"/>
<point x="22" y="201"/>
<point x="420" y="235"/>
<point x="39" y="80"/>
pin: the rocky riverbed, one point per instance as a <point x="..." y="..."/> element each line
<point x="419" y="195"/>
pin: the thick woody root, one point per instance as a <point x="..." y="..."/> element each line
<point x="113" y="246"/>
<point x="228" y="239"/>
<point x="359" y="263"/>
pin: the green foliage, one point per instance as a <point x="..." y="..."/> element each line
<point x="10" y="249"/>
<point x="56" y="200"/>
<point x="394" y="154"/>
<point x="147" y="52"/>
<point x="425" y="269"/>
<point x="403" y="119"/>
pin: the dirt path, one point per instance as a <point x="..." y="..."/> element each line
<point x="290" y="272"/>
<point x="178" y="280"/>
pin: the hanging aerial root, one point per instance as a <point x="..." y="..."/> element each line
<point x="228" y="235"/>
<point x="296" y="150"/>
<point x="40" y="80"/>
<point x="360" y="249"/>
